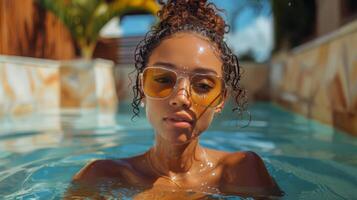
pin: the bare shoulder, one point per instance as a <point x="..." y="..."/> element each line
<point x="242" y="158"/>
<point x="119" y="169"/>
<point x="113" y="173"/>
<point x="246" y="172"/>
<point x="234" y="158"/>
<point x="246" y="168"/>
<point x="99" y="169"/>
<point x="85" y="181"/>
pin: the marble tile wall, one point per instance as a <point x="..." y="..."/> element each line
<point x="29" y="86"/>
<point x="319" y="79"/>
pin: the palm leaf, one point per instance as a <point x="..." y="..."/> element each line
<point x="85" y="18"/>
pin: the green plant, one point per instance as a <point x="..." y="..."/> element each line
<point x="85" y="18"/>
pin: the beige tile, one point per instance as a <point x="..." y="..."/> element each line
<point x="321" y="113"/>
<point x="105" y="85"/>
<point x="346" y="121"/>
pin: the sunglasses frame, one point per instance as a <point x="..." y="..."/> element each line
<point x="179" y="75"/>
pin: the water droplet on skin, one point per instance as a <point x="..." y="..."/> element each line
<point x="213" y="174"/>
<point x="200" y="50"/>
<point x="210" y="164"/>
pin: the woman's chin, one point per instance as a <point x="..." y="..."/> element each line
<point x="180" y="138"/>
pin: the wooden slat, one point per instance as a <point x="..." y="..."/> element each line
<point x="120" y="50"/>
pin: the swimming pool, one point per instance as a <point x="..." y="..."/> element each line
<point x="308" y="160"/>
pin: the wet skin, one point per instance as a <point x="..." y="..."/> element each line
<point x="177" y="161"/>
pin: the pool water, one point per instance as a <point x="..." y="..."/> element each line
<point x="308" y="160"/>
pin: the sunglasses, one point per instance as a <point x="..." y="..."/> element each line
<point x="205" y="89"/>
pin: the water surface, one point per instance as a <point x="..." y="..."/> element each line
<point x="309" y="160"/>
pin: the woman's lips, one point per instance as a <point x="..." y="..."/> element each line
<point x="179" y="121"/>
<point x="178" y="124"/>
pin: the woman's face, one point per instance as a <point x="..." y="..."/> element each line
<point x="177" y="118"/>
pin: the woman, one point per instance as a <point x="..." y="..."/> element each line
<point x="185" y="72"/>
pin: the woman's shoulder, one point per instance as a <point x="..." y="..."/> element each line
<point x="97" y="169"/>
<point x="245" y="167"/>
<point x="106" y="169"/>
<point x="242" y="158"/>
<point x="239" y="162"/>
<point x="246" y="171"/>
<point x="234" y="158"/>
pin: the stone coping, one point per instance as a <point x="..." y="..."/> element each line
<point x="33" y="85"/>
<point x="48" y="62"/>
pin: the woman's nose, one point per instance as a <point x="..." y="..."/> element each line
<point x="181" y="97"/>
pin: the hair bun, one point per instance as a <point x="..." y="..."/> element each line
<point x="176" y="13"/>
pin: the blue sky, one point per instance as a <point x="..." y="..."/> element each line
<point x="247" y="14"/>
<point x="253" y="30"/>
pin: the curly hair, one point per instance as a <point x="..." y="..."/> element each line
<point x="195" y="16"/>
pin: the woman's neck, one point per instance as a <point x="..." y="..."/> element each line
<point x="170" y="160"/>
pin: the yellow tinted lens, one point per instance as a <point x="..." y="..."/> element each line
<point x="158" y="82"/>
<point x="206" y="90"/>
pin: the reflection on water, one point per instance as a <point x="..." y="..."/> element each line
<point x="307" y="159"/>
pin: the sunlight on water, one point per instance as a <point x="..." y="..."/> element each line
<point x="307" y="159"/>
